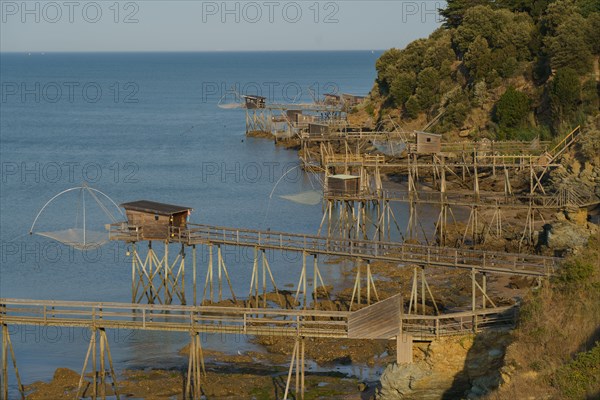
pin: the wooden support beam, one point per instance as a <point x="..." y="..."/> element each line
<point x="7" y="348"/>
<point x="99" y="377"/>
<point x="297" y="365"/>
<point x="196" y="368"/>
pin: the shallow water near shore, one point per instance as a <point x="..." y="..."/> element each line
<point x="146" y="126"/>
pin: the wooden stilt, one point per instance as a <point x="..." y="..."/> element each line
<point x="289" y="376"/>
<point x="194" y="268"/>
<point x="208" y="283"/>
<point x="7" y="348"/>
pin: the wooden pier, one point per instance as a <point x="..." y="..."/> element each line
<point x="399" y="252"/>
<point x="382" y="320"/>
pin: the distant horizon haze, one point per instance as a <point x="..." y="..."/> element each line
<point x="192" y="26"/>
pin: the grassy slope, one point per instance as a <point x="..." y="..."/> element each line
<point x="556" y="353"/>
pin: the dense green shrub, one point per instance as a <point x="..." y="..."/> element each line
<point x="512" y="109"/>
<point x="576" y="271"/>
<point x="427" y="86"/>
<point x="580" y="378"/>
<point x="402" y="87"/>
<point x="412" y="107"/>
<point x="546" y="46"/>
<point x="456" y="112"/>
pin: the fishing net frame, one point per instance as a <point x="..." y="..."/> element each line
<point x="69" y="236"/>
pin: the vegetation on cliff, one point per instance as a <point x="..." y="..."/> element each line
<point x="556" y="349"/>
<point x="507" y="69"/>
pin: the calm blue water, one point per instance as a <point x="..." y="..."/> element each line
<point x="144" y="126"/>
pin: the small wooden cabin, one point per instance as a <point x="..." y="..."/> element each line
<point x="304" y="120"/>
<point x="293" y="115"/>
<point x="428" y="143"/>
<point x="317" y="129"/>
<point x="332" y="99"/>
<point x="154" y="218"/>
<point x="254" y="102"/>
<point x="344" y="185"/>
<point x="351" y="100"/>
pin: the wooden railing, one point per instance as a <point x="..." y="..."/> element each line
<point x="353" y="158"/>
<point x="247" y="321"/>
<point x="214" y="319"/>
<point x="435" y="256"/>
<point x="564" y="198"/>
<point x="492" y="147"/>
<point x="565" y="143"/>
<point x="500" y="262"/>
<point x="452" y="324"/>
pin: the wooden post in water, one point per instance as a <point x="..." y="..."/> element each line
<point x="6" y="347"/>
<point x="194" y="273"/>
<point x="196" y="368"/>
<point x="99" y="378"/>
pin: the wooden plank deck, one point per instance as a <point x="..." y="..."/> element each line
<point x="402" y="253"/>
<point x="565" y="198"/>
<point x="382" y="320"/>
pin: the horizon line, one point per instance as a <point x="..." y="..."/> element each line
<point x="184" y="51"/>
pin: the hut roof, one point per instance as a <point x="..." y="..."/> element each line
<point x="428" y="134"/>
<point x="252" y="96"/>
<point x="153" y="207"/>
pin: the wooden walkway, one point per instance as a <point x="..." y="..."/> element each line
<point x="564" y="198"/>
<point x="382" y="320"/>
<point x="495" y="147"/>
<point x="485" y="261"/>
<point x="402" y="253"/>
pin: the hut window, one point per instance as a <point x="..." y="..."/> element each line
<point x="428" y="139"/>
<point x="156" y="217"/>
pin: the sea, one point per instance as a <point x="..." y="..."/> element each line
<point x="154" y="126"/>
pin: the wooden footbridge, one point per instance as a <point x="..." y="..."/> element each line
<point x="450" y="176"/>
<point x="161" y="280"/>
<point x="560" y="200"/>
<point x="401" y="253"/>
<point x="383" y="320"/>
<point x="368" y="250"/>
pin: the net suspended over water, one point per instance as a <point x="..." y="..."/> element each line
<point x="390" y="147"/>
<point x="77" y="238"/>
<point x="83" y="236"/>
<point x="230" y="106"/>
<point x="310" y="198"/>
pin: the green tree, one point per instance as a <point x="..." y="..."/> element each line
<point x="512" y="108"/>
<point x="457" y="111"/>
<point x="402" y="87"/>
<point x="439" y="53"/>
<point x="455" y="10"/>
<point x="557" y="13"/>
<point x="412" y="107"/>
<point x="479" y="93"/>
<point x="593" y="32"/>
<point x="427" y="85"/>
<point x="565" y="93"/>
<point x="590" y="91"/>
<point x="386" y="68"/>
<point x="500" y="28"/>
<point x="535" y="8"/>
<point x="568" y="47"/>
<point x="588" y="7"/>
<point x="478" y="59"/>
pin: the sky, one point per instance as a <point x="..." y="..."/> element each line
<point x="195" y="25"/>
